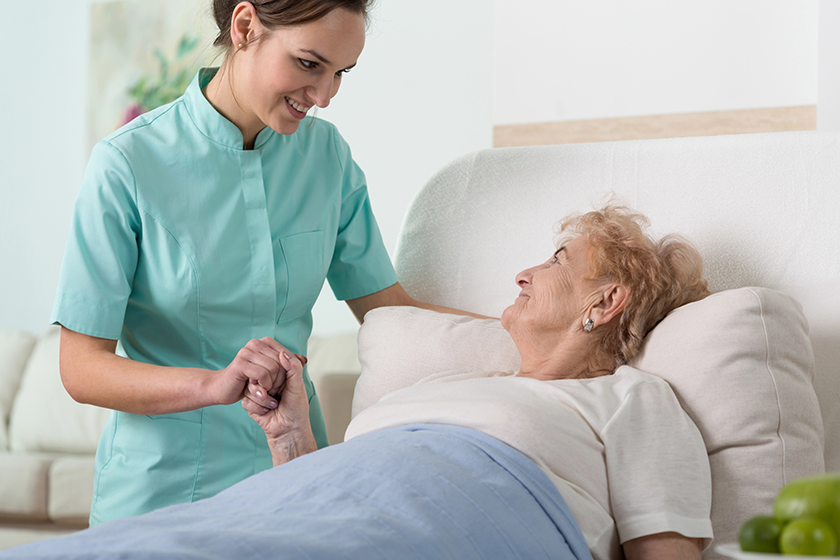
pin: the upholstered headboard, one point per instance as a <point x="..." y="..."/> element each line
<point x="763" y="209"/>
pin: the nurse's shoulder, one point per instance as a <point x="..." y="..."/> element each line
<point x="153" y="127"/>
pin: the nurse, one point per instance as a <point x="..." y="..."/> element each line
<point x="201" y="237"/>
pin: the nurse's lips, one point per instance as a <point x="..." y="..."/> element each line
<point x="523" y="294"/>
<point x="297" y="109"/>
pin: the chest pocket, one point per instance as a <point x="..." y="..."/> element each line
<point x="305" y="272"/>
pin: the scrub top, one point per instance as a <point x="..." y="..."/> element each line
<point x="183" y="246"/>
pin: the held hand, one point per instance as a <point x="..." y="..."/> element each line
<point x="271" y="397"/>
<point x="256" y="371"/>
<point x="287" y="426"/>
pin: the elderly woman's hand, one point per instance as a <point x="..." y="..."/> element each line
<point x="286" y="427"/>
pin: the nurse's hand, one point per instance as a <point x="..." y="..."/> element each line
<point x="286" y="427"/>
<point x="256" y="372"/>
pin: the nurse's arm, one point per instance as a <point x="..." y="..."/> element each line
<point x="92" y="373"/>
<point x="396" y="296"/>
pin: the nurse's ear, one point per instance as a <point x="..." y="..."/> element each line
<point x="245" y="26"/>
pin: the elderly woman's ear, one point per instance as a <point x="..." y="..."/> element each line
<point x="608" y="302"/>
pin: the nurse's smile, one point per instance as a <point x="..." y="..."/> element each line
<point x="298" y="110"/>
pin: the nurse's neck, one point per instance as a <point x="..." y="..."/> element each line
<point x="219" y="93"/>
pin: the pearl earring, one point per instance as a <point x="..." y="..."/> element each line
<point x="240" y="45"/>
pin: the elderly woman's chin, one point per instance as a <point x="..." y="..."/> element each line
<point x="509" y="316"/>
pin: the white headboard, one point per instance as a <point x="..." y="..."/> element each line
<point x="764" y="210"/>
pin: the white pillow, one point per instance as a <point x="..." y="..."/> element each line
<point x="740" y="362"/>
<point x="399" y="346"/>
<point x="44" y="417"/>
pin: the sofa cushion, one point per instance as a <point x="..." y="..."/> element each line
<point x="15" y="347"/>
<point x="337" y="353"/>
<point x="739" y="361"/>
<point x="334" y="390"/>
<point x="44" y="417"/>
<point x="23" y="486"/>
<point x="71" y="489"/>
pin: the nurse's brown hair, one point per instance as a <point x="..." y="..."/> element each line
<point x="278" y="13"/>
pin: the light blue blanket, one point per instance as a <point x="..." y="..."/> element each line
<point x="421" y="491"/>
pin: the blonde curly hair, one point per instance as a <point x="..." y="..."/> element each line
<point x="659" y="275"/>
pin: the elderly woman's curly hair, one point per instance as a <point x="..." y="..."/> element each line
<point x="659" y="275"/>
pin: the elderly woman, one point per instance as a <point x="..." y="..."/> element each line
<point x="574" y="456"/>
<point x="613" y="439"/>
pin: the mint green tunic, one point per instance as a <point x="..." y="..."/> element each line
<point x="183" y="246"/>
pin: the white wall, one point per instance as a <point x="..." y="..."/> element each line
<point x="571" y="60"/>
<point x="420" y="97"/>
<point x="427" y="90"/>
<point x="43" y="102"/>
<point x="828" y="106"/>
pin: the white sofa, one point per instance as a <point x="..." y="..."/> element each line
<point x="48" y="441"/>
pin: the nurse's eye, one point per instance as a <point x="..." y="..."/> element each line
<point x="340" y="73"/>
<point x="308" y="64"/>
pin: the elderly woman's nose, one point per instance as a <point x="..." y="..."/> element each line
<point x="524" y="277"/>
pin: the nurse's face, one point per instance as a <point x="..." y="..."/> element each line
<point x="295" y="68"/>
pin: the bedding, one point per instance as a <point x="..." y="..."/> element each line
<point x="420" y="491"/>
<point x="740" y="362"/>
<point x="593" y="438"/>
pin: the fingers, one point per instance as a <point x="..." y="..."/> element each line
<point x="254" y="408"/>
<point x="259" y="363"/>
<point x="261" y="396"/>
<point x="258" y="372"/>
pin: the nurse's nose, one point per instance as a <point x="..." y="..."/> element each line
<point x="322" y="90"/>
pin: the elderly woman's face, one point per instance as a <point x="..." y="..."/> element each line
<point x="554" y="294"/>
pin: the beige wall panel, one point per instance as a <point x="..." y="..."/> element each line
<point x="776" y="119"/>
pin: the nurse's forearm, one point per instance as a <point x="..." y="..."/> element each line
<point x="396" y="295"/>
<point x="93" y="374"/>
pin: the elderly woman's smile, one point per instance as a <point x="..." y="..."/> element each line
<point x="554" y="293"/>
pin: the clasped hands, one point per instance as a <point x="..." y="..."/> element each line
<point x="268" y="379"/>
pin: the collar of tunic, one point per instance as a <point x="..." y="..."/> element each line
<point x="209" y="121"/>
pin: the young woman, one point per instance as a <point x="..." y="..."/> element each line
<point x="201" y="238"/>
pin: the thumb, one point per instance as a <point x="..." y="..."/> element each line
<point x="294" y="373"/>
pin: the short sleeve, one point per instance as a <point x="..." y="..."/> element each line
<point x="657" y="466"/>
<point x="102" y="248"/>
<point x="360" y="264"/>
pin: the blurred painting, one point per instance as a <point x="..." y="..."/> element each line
<point x="144" y="53"/>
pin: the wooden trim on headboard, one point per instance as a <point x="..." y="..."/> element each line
<point x="775" y="119"/>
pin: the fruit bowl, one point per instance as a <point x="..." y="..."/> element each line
<point x="734" y="551"/>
